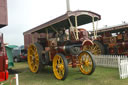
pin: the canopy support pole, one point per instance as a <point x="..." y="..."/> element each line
<point x="54" y="30"/>
<point x="72" y="28"/>
<point x="76" y="30"/>
<point x="94" y="27"/>
<point x="47" y="34"/>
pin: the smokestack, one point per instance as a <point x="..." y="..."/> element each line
<point x="68" y="5"/>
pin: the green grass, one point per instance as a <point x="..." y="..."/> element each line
<point x="101" y="76"/>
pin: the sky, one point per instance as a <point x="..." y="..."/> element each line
<point x="27" y="14"/>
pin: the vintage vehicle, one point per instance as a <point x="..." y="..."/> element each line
<point x="112" y="40"/>
<point x="3" y="55"/>
<point x="19" y="54"/>
<point x="59" y="43"/>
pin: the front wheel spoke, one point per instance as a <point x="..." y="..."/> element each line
<point x="60" y="70"/>
<point x="87" y="69"/>
<point x="84" y="66"/>
<point x="63" y="71"/>
<point x="83" y="58"/>
<point x="62" y="66"/>
<point x="57" y="70"/>
<point x="87" y="58"/>
<point x="60" y="73"/>
<point x="90" y="63"/>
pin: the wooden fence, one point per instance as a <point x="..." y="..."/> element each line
<point x="123" y="68"/>
<point x="115" y="61"/>
<point x="108" y="60"/>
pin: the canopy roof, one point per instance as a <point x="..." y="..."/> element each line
<point x="60" y="23"/>
<point x="113" y="29"/>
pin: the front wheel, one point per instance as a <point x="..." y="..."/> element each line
<point x="87" y="64"/>
<point x="60" y="66"/>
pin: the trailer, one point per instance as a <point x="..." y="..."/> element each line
<point x="3" y="55"/>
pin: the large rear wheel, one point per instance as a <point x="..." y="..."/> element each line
<point x="60" y="66"/>
<point x="34" y="55"/>
<point x="97" y="48"/>
<point x="87" y="64"/>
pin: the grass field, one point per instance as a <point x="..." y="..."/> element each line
<point x="101" y="76"/>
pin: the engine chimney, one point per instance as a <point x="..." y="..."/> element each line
<point x="68" y="5"/>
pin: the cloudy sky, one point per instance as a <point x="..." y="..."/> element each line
<point x="26" y="14"/>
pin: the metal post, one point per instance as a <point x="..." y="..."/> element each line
<point x="17" y="80"/>
<point x="68" y="5"/>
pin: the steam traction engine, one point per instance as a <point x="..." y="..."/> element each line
<point x="112" y="40"/>
<point x="60" y="43"/>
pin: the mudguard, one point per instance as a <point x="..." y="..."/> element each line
<point x="87" y="42"/>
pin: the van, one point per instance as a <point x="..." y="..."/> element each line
<point x="19" y="54"/>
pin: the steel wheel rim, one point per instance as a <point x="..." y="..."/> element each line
<point x="58" y="67"/>
<point x="94" y="49"/>
<point x="33" y="58"/>
<point x="86" y="63"/>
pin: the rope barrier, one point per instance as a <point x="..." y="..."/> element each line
<point x="10" y="81"/>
